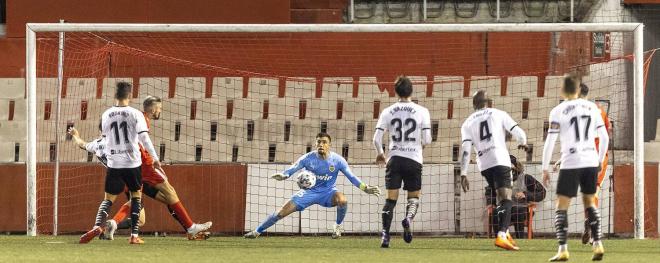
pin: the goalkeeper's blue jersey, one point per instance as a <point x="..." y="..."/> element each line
<point x="326" y="171"/>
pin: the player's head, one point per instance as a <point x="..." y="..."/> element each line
<point x="571" y="86"/>
<point x="517" y="167"/>
<point x="323" y="141"/>
<point x="403" y="87"/>
<point x="152" y="105"/>
<point x="480" y="100"/>
<point x="123" y="90"/>
<point x="584" y="91"/>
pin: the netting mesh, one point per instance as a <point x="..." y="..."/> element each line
<point x="258" y="100"/>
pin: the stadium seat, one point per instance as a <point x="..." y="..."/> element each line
<point x="7" y="153"/>
<point x="175" y="109"/>
<point x="69" y="152"/>
<point x="12" y="88"/>
<point x="269" y="130"/>
<point x="46" y="88"/>
<point x="253" y="152"/>
<point x="70" y="109"/>
<point x="288" y="153"/>
<point x="463" y="108"/>
<point x="337" y="88"/>
<point x="12" y="131"/>
<point x="287" y="108"/>
<point x="195" y="132"/>
<point x="81" y="88"/>
<point x="232" y="131"/>
<point x="4" y="109"/>
<point x="359" y="152"/>
<point x="304" y="131"/>
<point x="301" y="88"/>
<point x="323" y="109"/>
<point x="248" y="109"/>
<point x="45" y="131"/>
<point x="523" y="86"/>
<point x="89" y="129"/>
<point x="211" y="109"/>
<point x="438" y="152"/>
<point x="176" y="152"/>
<point x="342" y="129"/>
<point x="228" y="87"/>
<point x="190" y="87"/>
<point x="368" y="89"/>
<point x="510" y="104"/>
<point x="553" y="86"/>
<point x="358" y="109"/>
<point x="437" y="107"/>
<point x="156" y="86"/>
<point x="419" y="87"/>
<point x="216" y="152"/>
<point x="95" y="108"/>
<point x="43" y="151"/>
<point x="491" y="84"/>
<point x="109" y="85"/>
<point x="162" y="131"/>
<point x="450" y="131"/>
<point x="263" y="88"/>
<point x="448" y="86"/>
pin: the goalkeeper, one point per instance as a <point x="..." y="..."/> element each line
<point x="325" y="165"/>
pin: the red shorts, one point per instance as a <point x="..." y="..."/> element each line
<point x="152" y="176"/>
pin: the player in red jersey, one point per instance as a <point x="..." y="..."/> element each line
<point x="157" y="187"/>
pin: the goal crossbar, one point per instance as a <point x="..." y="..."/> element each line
<point x="636" y="28"/>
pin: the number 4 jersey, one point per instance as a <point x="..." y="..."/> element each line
<point x="577" y="122"/>
<point x="485" y="129"/>
<point x="409" y="127"/>
<point x="121" y="126"/>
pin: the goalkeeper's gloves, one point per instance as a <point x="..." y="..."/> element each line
<point x="372" y="190"/>
<point x="279" y="176"/>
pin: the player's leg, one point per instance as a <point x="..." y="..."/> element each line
<point x="499" y="177"/>
<point x="339" y="200"/>
<point x="586" y="234"/>
<point x="133" y="179"/>
<point x="393" y="181"/>
<point x="113" y="186"/>
<point x="588" y="186"/>
<point x="288" y="208"/>
<point x="567" y="186"/>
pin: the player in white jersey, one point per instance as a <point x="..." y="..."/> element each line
<point x="123" y="127"/>
<point x="409" y="125"/>
<point x="577" y="121"/>
<point x="485" y="130"/>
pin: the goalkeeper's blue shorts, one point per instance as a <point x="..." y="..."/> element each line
<point x="305" y="198"/>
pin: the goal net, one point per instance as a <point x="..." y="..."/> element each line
<point x="240" y="106"/>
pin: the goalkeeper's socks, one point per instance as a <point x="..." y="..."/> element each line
<point x="561" y="225"/>
<point x="102" y="213"/>
<point x="593" y="216"/>
<point x="270" y="221"/>
<point x="412" y="207"/>
<point x="341" y="213"/>
<point x="136" y="206"/>
<point x="124" y="210"/>
<point x="388" y="214"/>
<point x="181" y="215"/>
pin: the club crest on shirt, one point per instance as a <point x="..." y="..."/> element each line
<point x="332" y="168"/>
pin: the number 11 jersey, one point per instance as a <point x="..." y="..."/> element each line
<point x="485" y="128"/>
<point x="405" y="122"/>
<point x="577" y="121"/>
<point x="121" y="126"/>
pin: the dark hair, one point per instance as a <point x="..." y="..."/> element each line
<point x="150" y="101"/>
<point x="571" y="85"/>
<point x="100" y="125"/>
<point x="123" y="90"/>
<point x="403" y="87"/>
<point x="323" y="134"/>
<point x="584" y="90"/>
<point x="480" y="99"/>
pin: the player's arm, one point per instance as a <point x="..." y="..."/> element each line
<point x="299" y="164"/>
<point x="515" y="130"/>
<point x="426" y="128"/>
<point x="466" y="148"/>
<point x="143" y="136"/>
<point x="381" y="125"/>
<point x="374" y="190"/>
<point x="76" y="138"/>
<point x="548" y="147"/>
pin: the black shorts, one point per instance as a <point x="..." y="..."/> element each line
<point x="117" y="178"/>
<point x="498" y="176"/>
<point x="570" y="179"/>
<point x="403" y="169"/>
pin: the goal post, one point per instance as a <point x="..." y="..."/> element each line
<point x="31" y="74"/>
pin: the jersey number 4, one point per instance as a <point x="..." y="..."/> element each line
<point x="123" y="126"/>
<point x="484" y="131"/>
<point x="398" y="124"/>
<point x="575" y="121"/>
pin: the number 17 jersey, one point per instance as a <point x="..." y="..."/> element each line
<point x="121" y="126"/>
<point x="485" y="129"/>
<point x="405" y="122"/>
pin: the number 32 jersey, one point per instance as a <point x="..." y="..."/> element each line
<point x="121" y="126"/>
<point x="485" y="129"/>
<point x="577" y="122"/>
<point x="405" y="122"/>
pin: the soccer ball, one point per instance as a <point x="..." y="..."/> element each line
<point x="306" y="180"/>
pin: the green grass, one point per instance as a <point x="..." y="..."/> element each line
<point x="308" y="249"/>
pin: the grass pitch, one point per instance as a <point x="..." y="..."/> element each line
<point x="308" y="249"/>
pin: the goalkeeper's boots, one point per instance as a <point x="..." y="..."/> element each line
<point x="586" y="235"/>
<point x="336" y="231"/>
<point x="407" y="233"/>
<point x="252" y="234"/>
<point x="109" y="230"/>
<point x="196" y="228"/>
<point x="510" y="238"/>
<point x="91" y="234"/>
<point x="385" y="239"/>
<point x="599" y="251"/>
<point x="560" y="256"/>
<point x="135" y="240"/>
<point x="504" y="243"/>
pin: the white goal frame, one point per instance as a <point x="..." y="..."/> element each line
<point x="31" y="77"/>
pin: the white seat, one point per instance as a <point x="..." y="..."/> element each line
<point x="438" y="152"/>
<point x="346" y="130"/>
<point x="232" y="131"/>
<point x="337" y="87"/>
<point x="288" y="153"/>
<point x="323" y="109"/>
<point x="12" y="88"/>
<point x="304" y="131"/>
<point x="368" y="89"/>
<point x="511" y="105"/>
<point x="211" y="109"/>
<point x="553" y="86"/>
<point x="287" y="108"/>
<point x="247" y="109"/>
<point x="360" y="152"/>
<point x="462" y="108"/>
<point x="70" y="109"/>
<point x="419" y="86"/>
<point x="7" y="153"/>
<point x="176" y="109"/>
<point x="194" y="132"/>
<point x="69" y="152"/>
<point x="228" y="87"/>
<point x="190" y="87"/>
<point x="450" y="131"/>
<point x="178" y="152"/>
<point x="156" y="86"/>
<point x="448" y="86"/>
<point x="523" y="86"/>
<point x="4" y="109"/>
<point x="437" y="106"/>
<point x="263" y="88"/>
<point x="43" y="151"/>
<point x="269" y="130"/>
<point x="253" y="152"/>
<point x="12" y="131"/>
<point x="46" y="88"/>
<point x="358" y="109"/>
<point x="95" y="108"/>
<point x="491" y="84"/>
<point x="82" y="88"/>
<point x="109" y="85"/>
<point x="301" y="88"/>
<point x="216" y="152"/>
